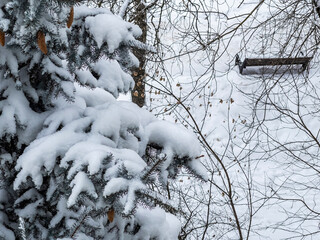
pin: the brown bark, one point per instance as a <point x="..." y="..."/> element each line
<point x="139" y="73"/>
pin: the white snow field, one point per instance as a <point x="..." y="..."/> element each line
<point x="264" y="124"/>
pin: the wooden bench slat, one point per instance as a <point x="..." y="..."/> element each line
<point x="272" y="62"/>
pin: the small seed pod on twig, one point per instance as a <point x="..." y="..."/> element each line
<point x="2" y="38"/>
<point x="42" y="42"/>
<point x="70" y="19"/>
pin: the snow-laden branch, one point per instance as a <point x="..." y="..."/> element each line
<point x="123" y="8"/>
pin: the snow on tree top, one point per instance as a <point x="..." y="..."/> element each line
<point x="108" y="28"/>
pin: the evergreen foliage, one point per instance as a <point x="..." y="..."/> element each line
<point x="75" y="162"/>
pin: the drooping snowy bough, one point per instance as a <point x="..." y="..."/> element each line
<point x="74" y="161"/>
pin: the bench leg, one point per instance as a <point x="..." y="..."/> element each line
<point x="241" y="68"/>
<point x="304" y="66"/>
<point x="239" y="63"/>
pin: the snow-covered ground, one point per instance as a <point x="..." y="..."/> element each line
<point x="261" y="148"/>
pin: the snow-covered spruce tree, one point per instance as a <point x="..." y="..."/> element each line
<point x="75" y="163"/>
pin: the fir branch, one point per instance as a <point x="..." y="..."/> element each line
<point x="77" y="226"/>
<point x="142" y="46"/>
<point x="149" y="196"/>
<point x="147" y="174"/>
<point x="22" y="228"/>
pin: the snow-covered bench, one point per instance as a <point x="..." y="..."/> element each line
<point x="271" y="62"/>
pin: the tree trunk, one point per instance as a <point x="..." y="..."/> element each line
<point x="139" y="73"/>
